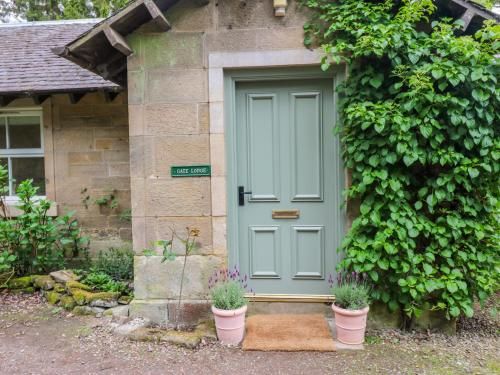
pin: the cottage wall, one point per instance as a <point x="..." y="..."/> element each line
<point x="87" y="147"/>
<point x="169" y="96"/>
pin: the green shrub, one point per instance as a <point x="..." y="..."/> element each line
<point x="420" y="112"/>
<point x="117" y="263"/>
<point x="103" y="282"/>
<point x="229" y="295"/>
<point x="351" y="292"/>
<point x="38" y="241"/>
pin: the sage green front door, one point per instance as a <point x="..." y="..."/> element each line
<point x="288" y="173"/>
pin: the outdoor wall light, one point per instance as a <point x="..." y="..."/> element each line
<point x="280" y="8"/>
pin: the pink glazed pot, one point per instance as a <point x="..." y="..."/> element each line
<point x="350" y="325"/>
<point x="230" y="325"/>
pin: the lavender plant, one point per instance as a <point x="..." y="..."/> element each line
<point x="352" y="291"/>
<point x="227" y="289"/>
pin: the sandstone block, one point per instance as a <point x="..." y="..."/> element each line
<point x="85" y="157"/>
<point x="171" y="119"/>
<point x="176" y="86"/>
<point x="155" y="279"/>
<point x="171" y="50"/>
<point x="135" y="83"/>
<point x="179" y="224"/>
<point x="188" y="15"/>
<point x="63" y="276"/>
<point x="180" y="150"/>
<point x="178" y="197"/>
<point x="154" y="310"/>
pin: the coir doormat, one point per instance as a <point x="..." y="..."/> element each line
<point x="289" y="333"/>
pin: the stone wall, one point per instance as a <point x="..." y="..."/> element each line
<point x="87" y="147"/>
<point x="169" y="125"/>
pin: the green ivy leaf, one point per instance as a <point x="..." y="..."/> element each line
<point x="376" y="81"/>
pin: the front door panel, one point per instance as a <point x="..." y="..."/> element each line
<point x="288" y="163"/>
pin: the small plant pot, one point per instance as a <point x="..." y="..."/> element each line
<point x="230" y="325"/>
<point x="350" y="325"/>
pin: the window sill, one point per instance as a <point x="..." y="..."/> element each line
<point x="13" y="211"/>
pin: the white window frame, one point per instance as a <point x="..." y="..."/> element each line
<point x="21" y="152"/>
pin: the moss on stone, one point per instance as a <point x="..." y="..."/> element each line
<point x="67" y="302"/>
<point x="83" y="310"/>
<point x="125" y="300"/>
<point x="83" y="297"/>
<point x="58" y="287"/>
<point x="72" y="284"/>
<point x="21" y="282"/>
<point x="44" y="282"/>
<point x="53" y="297"/>
<point x="80" y="296"/>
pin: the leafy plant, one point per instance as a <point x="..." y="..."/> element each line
<point x="420" y="115"/>
<point x="116" y="262"/>
<point x="102" y="281"/>
<point x="38" y="242"/>
<point x="6" y="267"/>
<point x="227" y="289"/>
<point x="352" y="292"/>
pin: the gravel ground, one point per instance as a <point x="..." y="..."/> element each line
<point x="36" y="338"/>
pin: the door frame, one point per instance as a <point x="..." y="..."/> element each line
<point x="230" y="78"/>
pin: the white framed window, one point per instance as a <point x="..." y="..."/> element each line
<point x="21" y="148"/>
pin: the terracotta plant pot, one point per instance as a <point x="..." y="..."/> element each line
<point x="350" y="325"/>
<point x="230" y="325"/>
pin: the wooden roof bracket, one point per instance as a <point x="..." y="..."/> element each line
<point x="157" y="16"/>
<point x="117" y="41"/>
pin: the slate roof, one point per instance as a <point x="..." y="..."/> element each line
<point x="28" y="66"/>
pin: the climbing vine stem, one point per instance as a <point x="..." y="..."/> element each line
<point x="420" y="134"/>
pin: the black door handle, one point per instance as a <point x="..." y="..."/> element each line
<point x="241" y="195"/>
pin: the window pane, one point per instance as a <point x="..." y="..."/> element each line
<point x="29" y="168"/>
<point x="24" y="132"/>
<point x="3" y="143"/>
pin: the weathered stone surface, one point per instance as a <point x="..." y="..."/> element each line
<point x="180" y="150"/>
<point x="157" y="280"/>
<point x="145" y="335"/>
<point x="187" y="15"/>
<point x="380" y="317"/>
<point x="165" y="225"/>
<point x="43" y="282"/>
<point x="191" y="312"/>
<point x="171" y="119"/>
<point x="104" y="303"/>
<point x="53" y="297"/>
<point x="178" y="197"/>
<point x="173" y="50"/>
<point x="134" y="324"/>
<point x="135" y="83"/>
<point x="435" y="320"/>
<point x="63" y="276"/>
<point x="189" y="340"/>
<point x="184" y="86"/>
<point x="155" y="310"/>
<point x="255" y="14"/>
<point x="124" y="300"/>
<point x="67" y="302"/>
<point x="20" y="282"/>
<point x="121" y="310"/>
<point x="87" y="310"/>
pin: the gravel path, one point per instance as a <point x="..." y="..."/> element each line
<point x="35" y="338"/>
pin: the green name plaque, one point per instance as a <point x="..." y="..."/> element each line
<point x="191" y="171"/>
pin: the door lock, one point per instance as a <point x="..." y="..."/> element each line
<point x="241" y="195"/>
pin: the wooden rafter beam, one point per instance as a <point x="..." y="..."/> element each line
<point x="75" y="97"/>
<point x="39" y="99"/>
<point x="6" y="100"/>
<point x="466" y="17"/>
<point x="157" y="16"/>
<point x="109" y="96"/>
<point x="117" y="41"/>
